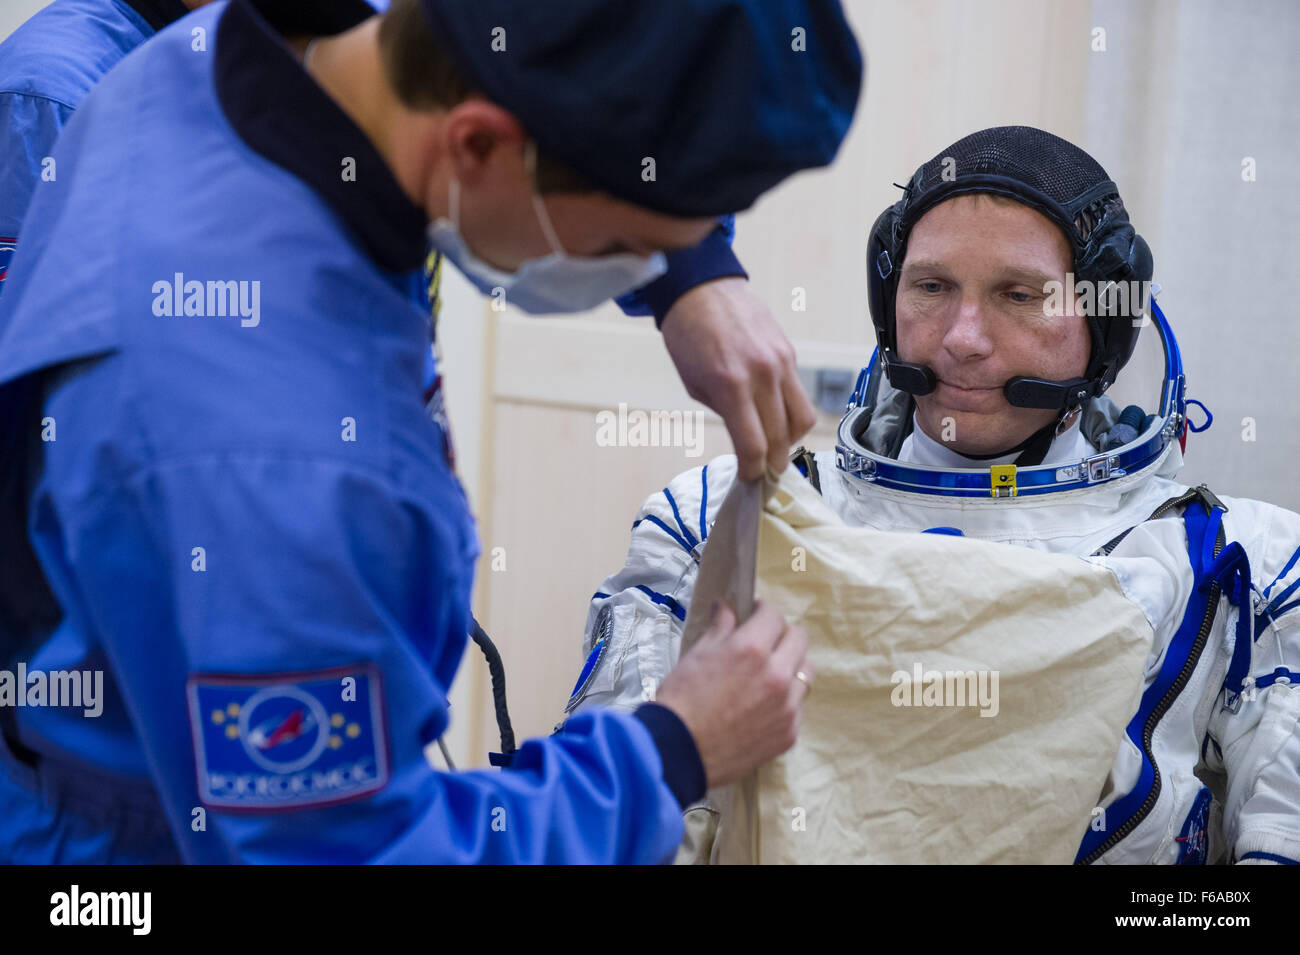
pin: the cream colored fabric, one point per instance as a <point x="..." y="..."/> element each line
<point x="701" y="830"/>
<point x="871" y="781"/>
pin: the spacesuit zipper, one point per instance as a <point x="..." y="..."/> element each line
<point x="1201" y="491"/>
<point x="1193" y="657"/>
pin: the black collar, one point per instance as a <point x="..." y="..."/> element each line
<point x="279" y="111"/>
<point x="159" y="13"/>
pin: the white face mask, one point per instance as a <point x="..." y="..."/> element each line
<point x="553" y="283"/>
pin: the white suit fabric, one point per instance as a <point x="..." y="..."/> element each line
<point x="1194" y="779"/>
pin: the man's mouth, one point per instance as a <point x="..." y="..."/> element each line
<point x="967" y="398"/>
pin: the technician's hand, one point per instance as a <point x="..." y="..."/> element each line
<point x="737" y="692"/>
<point x="733" y="356"/>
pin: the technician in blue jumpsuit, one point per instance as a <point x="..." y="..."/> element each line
<point x="235" y="507"/>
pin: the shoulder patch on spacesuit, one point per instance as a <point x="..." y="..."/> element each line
<point x="285" y="741"/>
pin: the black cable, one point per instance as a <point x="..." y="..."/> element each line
<point x="498" y="674"/>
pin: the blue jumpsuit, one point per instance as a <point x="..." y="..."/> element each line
<point x="238" y="511"/>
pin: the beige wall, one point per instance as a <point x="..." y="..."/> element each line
<point x="14" y="12"/>
<point x="1186" y="92"/>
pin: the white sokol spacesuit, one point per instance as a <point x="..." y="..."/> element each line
<point x="1208" y="769"/>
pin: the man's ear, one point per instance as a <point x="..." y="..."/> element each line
<point x="480" y="137"/>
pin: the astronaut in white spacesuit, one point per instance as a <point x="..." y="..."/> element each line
<point x="983" y="412"/>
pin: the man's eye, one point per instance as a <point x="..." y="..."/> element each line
<point x="930" y="287"/>
<point x="1021" y="298"/>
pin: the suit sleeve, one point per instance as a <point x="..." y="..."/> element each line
<point x="1258" y="745"/>
<point x="28" y="127"/>
<point x="284" y="629"/>
<point x="636" y="618"/>
<point x="711" y="259"/>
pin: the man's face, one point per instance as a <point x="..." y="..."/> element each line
<point x="970" y="306"/>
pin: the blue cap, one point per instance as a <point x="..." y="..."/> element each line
<point x="727" y="97"/>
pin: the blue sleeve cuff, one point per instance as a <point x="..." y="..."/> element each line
<point x="711" y="259"/>
<point x="683" y="768"/>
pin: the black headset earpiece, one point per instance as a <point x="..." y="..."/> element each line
<point x="1123" y="257"/>
<point x="882" y="273"/>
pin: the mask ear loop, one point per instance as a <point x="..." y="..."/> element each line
<point x="548" y="230"/>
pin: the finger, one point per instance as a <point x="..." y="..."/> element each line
<point x="798" y="406"/>
<point x="722" y="624"/>
<point x="769" y="399"/>
<point x="798" y="698"/>
<point x="746" y="429"/>
<point x="800" y="691"/>
<point x="792" y="652"/>
<point x="766" y="626"/>
<point x="809" y="671"/>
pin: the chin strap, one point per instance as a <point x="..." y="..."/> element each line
<point x="1033" y="449"/>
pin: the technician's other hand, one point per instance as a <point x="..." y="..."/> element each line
<point x="737" y="692"/>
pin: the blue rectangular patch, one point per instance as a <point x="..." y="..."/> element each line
<point x="288" y="740"/>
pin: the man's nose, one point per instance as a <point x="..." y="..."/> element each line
<point x="968" y="335"/>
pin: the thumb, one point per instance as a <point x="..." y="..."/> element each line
<point x="723" y="620"/>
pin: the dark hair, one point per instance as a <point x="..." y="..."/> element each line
<point x="424" y="77"/>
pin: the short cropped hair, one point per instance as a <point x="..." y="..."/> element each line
<point x="424" y="77"/>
